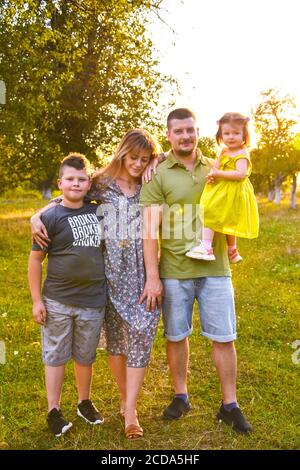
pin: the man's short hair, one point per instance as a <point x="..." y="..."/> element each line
<point x="180" y="113"/>
<point x="77" y="161"/>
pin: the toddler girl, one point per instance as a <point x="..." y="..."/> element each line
<point x="228" y="204"/>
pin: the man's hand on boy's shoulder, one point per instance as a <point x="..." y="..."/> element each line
<point x="39" y="312"/>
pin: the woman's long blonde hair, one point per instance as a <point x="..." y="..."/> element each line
<point x="133" y="140"/>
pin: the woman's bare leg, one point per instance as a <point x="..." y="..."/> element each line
<point x="118" y="368"/>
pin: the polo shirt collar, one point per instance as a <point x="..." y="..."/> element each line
<point x="172" y="160"/>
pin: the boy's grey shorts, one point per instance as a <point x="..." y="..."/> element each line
<point x="70" y="332"/>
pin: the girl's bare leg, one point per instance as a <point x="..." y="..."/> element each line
<point x="231" y="242"/>
<point x="207" y="237"/>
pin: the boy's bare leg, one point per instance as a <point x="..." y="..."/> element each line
<point x="54" y="381"/>
<point x="83" y="376"/>
<point x="118" y="368"/>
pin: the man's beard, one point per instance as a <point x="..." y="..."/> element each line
<point x="185" y="153"/>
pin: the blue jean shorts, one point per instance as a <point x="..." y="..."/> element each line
<point x="215" y="298"/>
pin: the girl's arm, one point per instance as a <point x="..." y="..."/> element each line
<point x="234" y="175"/>
<point x="217" y="162"/>
<point x="36" y="259"/>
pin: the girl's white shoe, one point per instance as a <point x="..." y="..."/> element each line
<point x="199" y="252"/>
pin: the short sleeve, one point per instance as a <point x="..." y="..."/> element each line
<point x="152" y="193"/>
<point x="245" y="157"/>
<point x="48" y="219"/>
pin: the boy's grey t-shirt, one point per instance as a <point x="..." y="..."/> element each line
<point x="75" y="273"/>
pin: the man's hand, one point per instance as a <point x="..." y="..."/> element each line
<point x="150" y="170"/>
<point x="39" y="232"/>
<point x="153" y="292"/>
<point x="39" y="312"/>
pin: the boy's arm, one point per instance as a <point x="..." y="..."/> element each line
<point x="36" y="259"/>
<point x="153" y="286"/>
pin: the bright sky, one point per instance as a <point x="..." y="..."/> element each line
<point x="227" y="51"/>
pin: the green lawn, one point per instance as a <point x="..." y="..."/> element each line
<point x="267" y="291"/>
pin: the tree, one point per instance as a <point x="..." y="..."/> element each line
<point x="2" y="92"/>
<point x="78" y="75"/>
<point x="208" y="147"/>
<point x="274" y="119"/>
<point x="294" y="167"/>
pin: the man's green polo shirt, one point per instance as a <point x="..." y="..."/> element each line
<point x="179" y="190"/>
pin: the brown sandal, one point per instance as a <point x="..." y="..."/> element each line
<point x="133" y="431"/>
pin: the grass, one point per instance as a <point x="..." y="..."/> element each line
<point x="267" y="292"/>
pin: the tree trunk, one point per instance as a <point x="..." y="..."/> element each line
<point x="277" y="199"/>
<point x="270" y="190"/>
<point x="278" y="182"/>
<point x="293" y="191"/>
<point x="45" y="186"/>
<point x="46" y="192"/>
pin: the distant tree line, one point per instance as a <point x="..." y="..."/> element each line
<point x="276" y="157"/>
<point x="78" y="74"/>
<point x="75" y="75"/>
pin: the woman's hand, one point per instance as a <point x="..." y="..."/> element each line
<point x="152" y="293"/>
<point x="39" y="232"/>
<point x="150" y="170"/>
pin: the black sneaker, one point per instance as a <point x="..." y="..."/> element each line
<point x="176" y="409"/>
<point x="89" y="413"/>
<point x="235" y="419"/>
<point x="57" y="423"/>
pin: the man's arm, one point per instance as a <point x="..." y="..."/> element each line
<point x="151" y="168"/>
<point x="36" y="259"/>
<point x="153" y="287"/>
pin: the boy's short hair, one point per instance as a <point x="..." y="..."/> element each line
<point x="180" y="113"/>
<point x="77" y="161"/>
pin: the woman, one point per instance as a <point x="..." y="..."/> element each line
<point x="129" y="328"/>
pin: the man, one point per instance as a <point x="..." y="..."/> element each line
<point x="171" y="202"/>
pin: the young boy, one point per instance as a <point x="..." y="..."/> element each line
<point x="71" y="310"/>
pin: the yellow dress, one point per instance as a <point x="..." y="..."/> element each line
<point x="230" y="207"/>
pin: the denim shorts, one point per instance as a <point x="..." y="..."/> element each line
<point x="215" y="298"/>
<point x="70" y="333"/>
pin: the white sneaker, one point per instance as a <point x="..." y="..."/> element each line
<point x="199" y="252"/>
